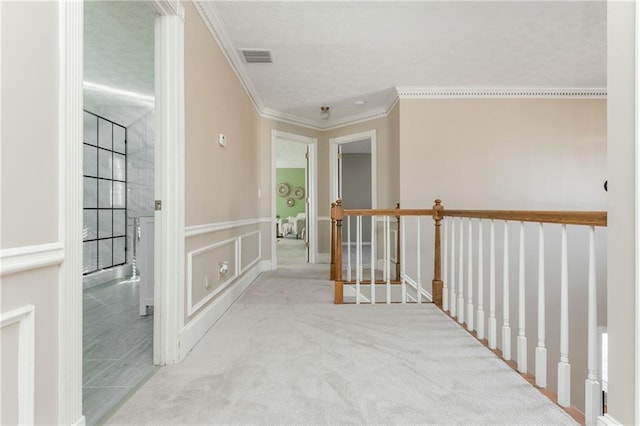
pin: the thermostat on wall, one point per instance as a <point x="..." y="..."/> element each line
<point x="222" y="139"/>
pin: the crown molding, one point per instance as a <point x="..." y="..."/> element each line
<point x="211" y="17"/>
<point x="416" y="92"/>
<point x="209" y="14"/>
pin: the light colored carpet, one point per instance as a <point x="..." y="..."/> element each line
<point x="291" y="251"/>
<point x="284" y="354"/>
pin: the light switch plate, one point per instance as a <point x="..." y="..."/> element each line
<point x="222" y="140"/>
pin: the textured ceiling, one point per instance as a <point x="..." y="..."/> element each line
<point x="334" y="53"/>
<point x="119" y="53"/>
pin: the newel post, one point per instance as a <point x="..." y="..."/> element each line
<point x="332" y="269"/>
<point x="437" y="255"/>
<point x="338" y="292"/>
<point x="398" y="245"/>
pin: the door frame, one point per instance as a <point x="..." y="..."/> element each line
<point x="312" y="207"/>
<point x="333" y="163"/>
<point x="170" y="170"/>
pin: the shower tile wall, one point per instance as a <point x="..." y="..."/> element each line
<point x="140" y="172"/>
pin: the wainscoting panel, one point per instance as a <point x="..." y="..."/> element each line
<point x="250" y="250"/>
<point x="20" y="354"/>
<point x="210" y="270"/>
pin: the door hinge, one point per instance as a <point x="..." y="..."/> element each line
<point x="306" y="244"/>
<point x="306" y="155"/>
<point x="339" y="156"/>
<point x="158" y="205"/>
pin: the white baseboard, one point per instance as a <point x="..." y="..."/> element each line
<point x="198" y="326"/>
<point x="607" y="420"/>
<point x="80" y="422"/>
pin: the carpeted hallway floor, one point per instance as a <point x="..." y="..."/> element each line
<point x="284" y="354"/>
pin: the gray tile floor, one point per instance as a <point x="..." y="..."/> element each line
<point x="117" y="347"/>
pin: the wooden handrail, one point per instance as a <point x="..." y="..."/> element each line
<point x="388" y="212"/>
<point x="561" y="217"/>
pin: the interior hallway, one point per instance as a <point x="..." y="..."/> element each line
<point x="285" y="354"/>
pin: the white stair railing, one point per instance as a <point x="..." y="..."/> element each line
<point x="454" y="291"/>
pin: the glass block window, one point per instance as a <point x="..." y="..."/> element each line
<point x="105" y="194"/>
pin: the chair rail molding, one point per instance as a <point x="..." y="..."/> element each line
<point x="30" y="257"/>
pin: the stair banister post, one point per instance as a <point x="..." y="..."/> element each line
<point x="332" y="269"/>
<point x="437" y="255"/>
<point x="338" y="293"/>
<point x="398" y="244"/>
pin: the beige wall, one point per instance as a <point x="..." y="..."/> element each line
<point x="622" y="214"/>
<point x="517" y="154"/>
<point x="29" y="188"/>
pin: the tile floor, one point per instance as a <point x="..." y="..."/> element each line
<point x="118" y="347"/>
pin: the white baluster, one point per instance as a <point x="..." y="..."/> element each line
<point x="492" y="287"/>
<point x="470" y="278"/>
<point x="564" y="369"/>
<point x="522" y="338"/>
<point x="384" y="248"/>
<point x="418" y="263"/>
<point x="593" y="391"/>
<point x="541" y="350"/>
<point x="349" y="248"/>
<point x="480" y="320"/>
<point x="506" y="329"/>
<point x="461" y="275"/>
<point x="388" y="258"/>
<point x="452" y="305"/>
<point x="403" y="260"/>
<point x="445" y="269"/>
<point x="358" y="256"/>
<point x="374" y="257"/>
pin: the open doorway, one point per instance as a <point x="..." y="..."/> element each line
<point x="118" y="206"/>
<point x="294" y="199"/>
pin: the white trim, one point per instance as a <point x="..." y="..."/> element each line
<point x="191" y="333"/>
<point x="607" y="420"/>
<point x="414" y="285"/>
<point x="333" y="162"/>
<point x="410" y="92"/>
<point x="25" y="317"/>
<point x="637" y="219"/>
<point x="195" y="230"/>
<point x="169" y="251"/>
<point x="254" y="261"/>
<point x="70" y="217"/>
<point x="312" y="210"/>
<point x="191" y="307"/>
<point x="30" y="257"/>
<point x="324" y="218"/>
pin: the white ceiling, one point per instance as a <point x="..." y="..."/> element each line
<point x="334" y="53"/>
<point x="119" y="54"/>
<point x="290" y="154"/>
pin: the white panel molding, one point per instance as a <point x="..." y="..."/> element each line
<point x="25" y="318"/>
<point x="240" y="244"/>
<point x="195" y="230"/>
<point x="70" y="217"/>
<point x="406" y="92"/>
<point x="324" y="218"/>
<point x="191" y="307"/>
<point x="607" y="420"/>
<point x="30" y="257"/>
<point x="193" y="331"/>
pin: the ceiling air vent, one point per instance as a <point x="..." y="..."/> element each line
<point x="257" y="56"/>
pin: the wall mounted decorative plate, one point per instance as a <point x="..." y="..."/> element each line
<point x="298" y="192"/>
<point x="291" y="202"/>
<point x="283" y="189"/>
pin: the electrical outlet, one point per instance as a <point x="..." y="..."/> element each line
<point x="207" y="282"/>
<point x="223" y="268"/>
